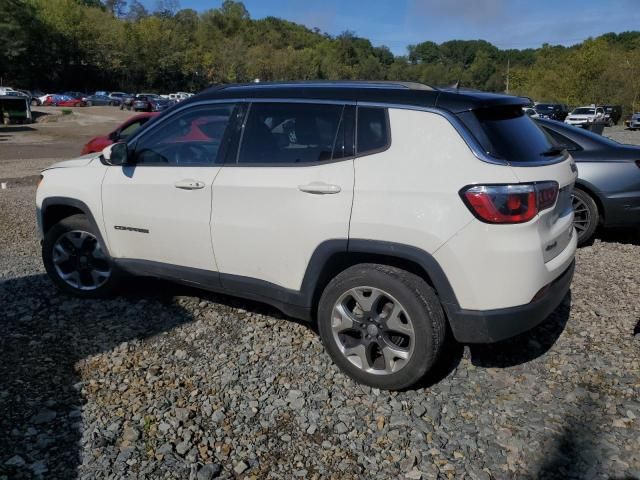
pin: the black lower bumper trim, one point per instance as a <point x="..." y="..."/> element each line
<point x="489" y="326"/>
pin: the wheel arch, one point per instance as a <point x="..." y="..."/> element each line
<point x="335" y="256"/>
<point x="56" y="209"/>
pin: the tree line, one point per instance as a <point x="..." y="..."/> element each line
<point x="119" y="45"/>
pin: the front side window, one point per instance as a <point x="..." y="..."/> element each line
<point x="290" y="133"/>
<point x="373" y="130"/>
<point x="196" y="136"/>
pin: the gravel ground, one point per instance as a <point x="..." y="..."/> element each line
<point x="168" y="382"/>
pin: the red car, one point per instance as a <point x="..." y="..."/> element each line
<point x="63" y="101"/>
<point x="124" y="131"/>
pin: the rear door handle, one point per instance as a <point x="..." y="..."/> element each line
<point x="189" y="184"/>
<point x="319" y="188"/>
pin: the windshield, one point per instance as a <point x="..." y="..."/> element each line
<point x="546" y="106"/>
<point x="584" y="111"/>
<point x="508" y="133"/>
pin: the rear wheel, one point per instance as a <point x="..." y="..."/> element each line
<point x="382" y="326"/>
<point x="89" y="104"/>
<point x="75" y="259"/>
<point x="586" y="216"/>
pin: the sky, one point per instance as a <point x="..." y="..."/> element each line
<point x="398" y="23"/>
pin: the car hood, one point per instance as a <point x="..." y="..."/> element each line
<point x="82" y="161"/>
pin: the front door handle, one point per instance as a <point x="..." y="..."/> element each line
<point x="319" y="188"/>
<point x="189" y="184"/>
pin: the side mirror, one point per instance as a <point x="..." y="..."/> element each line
<point x="113" y="136"/>
<point x="115" y="154"/>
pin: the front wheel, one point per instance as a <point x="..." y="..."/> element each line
<point x="382" y="326"/>
<point x="75" y="259"/>
<point x="586" y="216"/>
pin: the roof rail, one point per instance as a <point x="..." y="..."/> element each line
<point x="329" y="84"/>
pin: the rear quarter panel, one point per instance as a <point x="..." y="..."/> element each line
<point x="409" y="193"/>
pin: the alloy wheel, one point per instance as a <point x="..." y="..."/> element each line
<point x="373" y="330"/>
<point x="80" y="261"/>
<point x="582" y="215"/>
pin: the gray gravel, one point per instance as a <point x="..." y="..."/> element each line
<point x="168" y="382"/>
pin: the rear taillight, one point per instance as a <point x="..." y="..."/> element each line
<point x="509" y="203"/>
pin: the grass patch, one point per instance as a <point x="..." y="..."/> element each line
<point x="66" y="111"/>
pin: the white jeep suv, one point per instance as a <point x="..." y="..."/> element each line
<point x="392" y="214"/>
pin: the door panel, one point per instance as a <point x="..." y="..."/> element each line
<point x="149" y="218"/>
<point x="159" y="208"/>
<point x="287" y="193"/>
<point x="265" y="227"/>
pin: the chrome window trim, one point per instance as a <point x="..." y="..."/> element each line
<point x="457" y="124"/>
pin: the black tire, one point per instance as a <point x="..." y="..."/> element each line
<point x="587" y="216"/>
<point x="72" y="225"/>
<point x="414" y="296"/>
<point x="89" y="104"/>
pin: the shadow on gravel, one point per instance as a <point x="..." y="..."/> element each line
<point x="43" y="334"/>
<point x="15" y="128"/>
<point x="527" y="346"/>
<point x="580" y="449"/>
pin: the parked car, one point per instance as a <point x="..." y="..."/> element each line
<point x="117" y="95"/>
<point x="585" y="115"/>
<point x="379" y="237"/>
<point x="127" y="102"/>
<point x="634" y="122"/>
<point x="607" y="192"/>
<point x="102" y="100"/>
<point x="122" y="133"/>
<point x="530" y="112"/>
<point x="149" y="103"/>
<point x="553" y="111"/>
<point x="78" y="95"/>
<point x="612" y="113"/>
<point x="63" y="101"/>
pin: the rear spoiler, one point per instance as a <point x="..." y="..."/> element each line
<point x="463" y="100"/>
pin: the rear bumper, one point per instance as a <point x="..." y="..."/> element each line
<point x="489" y="326"/>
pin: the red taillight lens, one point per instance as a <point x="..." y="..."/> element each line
<point x="510" y="203"/>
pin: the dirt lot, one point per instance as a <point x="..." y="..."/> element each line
<point x="168" y="382"/>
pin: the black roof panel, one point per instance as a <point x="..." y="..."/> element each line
<point x="402" y="93"/>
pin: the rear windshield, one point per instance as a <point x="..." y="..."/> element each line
<point x="547" y="106"/>
<point x="509" y="134"/>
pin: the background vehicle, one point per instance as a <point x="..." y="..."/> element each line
<point x="552" y="111"/>
<point x="613" y="113"/>
<point x="584" y="115"/>
<point x="63" y="101"/>
<point x="149" y="103"/>
<point x="313" y="225"/>
<point x="102" y="100"/>
<point x="123" y="132"/>
<point x="530" y="112"/>
<point x="117" y="96"/>
<point x="607" y="191"/>
<point x="634" y="122"/>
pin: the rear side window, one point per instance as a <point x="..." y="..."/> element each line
<point x="373" y="130"/>
<point x="509" y="134"/>
<point x="290" y="133"/>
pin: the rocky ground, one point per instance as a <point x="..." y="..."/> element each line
<point x="168" y="382"/>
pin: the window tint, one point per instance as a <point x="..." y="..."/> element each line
<point x="508" y="133"/>
<point x="344" y="140"/>
<point x="192" y="137"/>
<point x="290" y="133"/>
<point x="373" y="131"/>
<point x="131" y="128"/>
